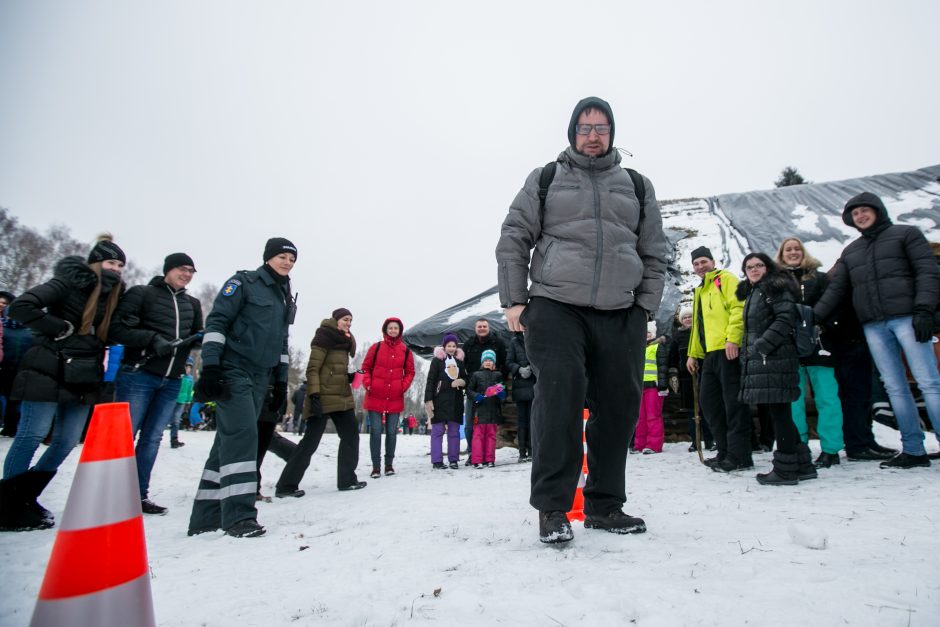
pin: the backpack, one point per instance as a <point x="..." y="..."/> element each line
<point x="548" y="174"/>
<point x="806" y="335"/>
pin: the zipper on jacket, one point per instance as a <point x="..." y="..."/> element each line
<point x="176" y="309"/>
<point x="598" y="260"/>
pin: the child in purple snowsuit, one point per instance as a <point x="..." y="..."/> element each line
<point x="443" y="400"/>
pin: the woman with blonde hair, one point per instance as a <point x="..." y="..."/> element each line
<point x="818" y="369"/>
<point x="60" y="375"/>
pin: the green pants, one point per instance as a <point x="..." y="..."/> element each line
<point x="826" y="395"/>
<point x="229" y="481"/>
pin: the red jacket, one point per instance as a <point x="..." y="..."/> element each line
<point x="388" y="370"/>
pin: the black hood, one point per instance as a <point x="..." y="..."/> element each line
<point x="591" y="102"/>
<point x="866" y="199"/>
<point x="74" y="271"/>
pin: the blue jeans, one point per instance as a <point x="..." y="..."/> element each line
<point x="152" y="399"/>
<point x="375" y="437"/>
<point x="175" y="420"/>
<point x="886" y="340"/>
<point x="36" y="418"/>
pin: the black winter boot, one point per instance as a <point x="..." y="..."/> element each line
<point x="804" y="458"/>
<point x="15" y="512"/>
<point x="35" y="482"/>
<point x="827" y="460"/>
<point x="785" y="470"/>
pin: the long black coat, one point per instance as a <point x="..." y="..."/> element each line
<point x="769" y="362"/>
<point x="45" y="309"/>
<point x="448" y="400"/>
<point x="473" y="350"/>
<point x="678" y="357"/>
<point x="523" y="389"/>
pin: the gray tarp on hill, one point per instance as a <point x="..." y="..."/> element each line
<point x="761" y="216"/>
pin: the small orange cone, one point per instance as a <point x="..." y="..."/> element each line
<point x="98" y="574"/>
<point x="577" y="507"/>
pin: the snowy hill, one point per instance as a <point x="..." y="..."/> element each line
<point x="733" y="225"/>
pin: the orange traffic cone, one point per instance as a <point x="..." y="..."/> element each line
<point x="577" y="507"/>
<point x="98" y="573"/>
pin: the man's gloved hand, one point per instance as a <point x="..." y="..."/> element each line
<point x="923" y="325"/>
<point x="64" y="333"/>
<point x="278" y="397"/>
<point x="211" y="385"/>
<point x="313" y="402"/>
<point x="429" y="409"/>
<point x="161" y="346"/>
<point x="525" y="371"/>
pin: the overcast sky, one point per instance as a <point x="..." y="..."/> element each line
<point x="387" y="139"/>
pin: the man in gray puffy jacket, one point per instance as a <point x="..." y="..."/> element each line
<point x="596" y="275"/>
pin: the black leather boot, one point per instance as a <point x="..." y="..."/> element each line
<point x="15" y="511"/>
<point x="785" y="472"/>
<point x="35" y="482"/>
<point x="804" y="458"/>
<point x="827" y="460"/>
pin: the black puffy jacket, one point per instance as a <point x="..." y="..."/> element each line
<point x="45" y="309"/>
<point x="890" y="270"/>
<point x="523" y="389"/>
<point x="156" y="309"/>
<point x="769" y="362"/>
<point x="490" y="409"/>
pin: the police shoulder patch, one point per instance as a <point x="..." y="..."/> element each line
<point x="231" y="287"/>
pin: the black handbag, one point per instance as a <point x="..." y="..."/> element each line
<point x="81" y="362"/>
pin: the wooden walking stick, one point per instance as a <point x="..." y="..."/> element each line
<point x="698" y="418"/>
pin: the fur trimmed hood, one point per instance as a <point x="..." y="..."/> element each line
<point x="441" y="354"/>
<point x="772" y="285"/>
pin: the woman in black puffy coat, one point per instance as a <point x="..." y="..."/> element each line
<point x="60" y="376"/>
<point x="770" y="365"/>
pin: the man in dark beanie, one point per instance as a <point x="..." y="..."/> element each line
<point x="597" y="273"/>
<point x="158" y="323"/>
<point x="243" y="350"/>
<point x="714" y="341"/>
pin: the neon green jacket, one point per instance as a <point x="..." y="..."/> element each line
<point x="721" y="311"/>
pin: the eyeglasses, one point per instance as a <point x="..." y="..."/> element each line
<point x="585" y="129"/>
<point x="187" y="269"/>
<point x="754" y="266"/>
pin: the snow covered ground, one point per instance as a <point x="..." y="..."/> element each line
<point x="720" y="550"/>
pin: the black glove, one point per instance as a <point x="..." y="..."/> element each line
<point x="161" y="347"/>
<point x="278" y="396"/>
<point x="313" y="403"/>
<point x="923" y="325"/>
<point x="211" y="385"/>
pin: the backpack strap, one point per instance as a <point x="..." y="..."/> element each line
<point x="548" y="175"/>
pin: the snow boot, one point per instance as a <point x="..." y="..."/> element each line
<point x="248" y="528"/>
<point x="454" y="465"/>
<point x="353" y="486"/>
<point x="615" y="522"/>
<point x="827" y="460"/>
<point x="785" y="471"/>
<point x="15" y="500"/>
<point x="438" y="466"/>
<point x="554" y="528"/>
<point x="36" y="482"/>
<point x="904" y="461"/>
<point x="176" y="444"/>
<point x="806" y="470"/>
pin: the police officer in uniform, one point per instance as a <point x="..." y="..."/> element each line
<point x="244" y="344"/>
